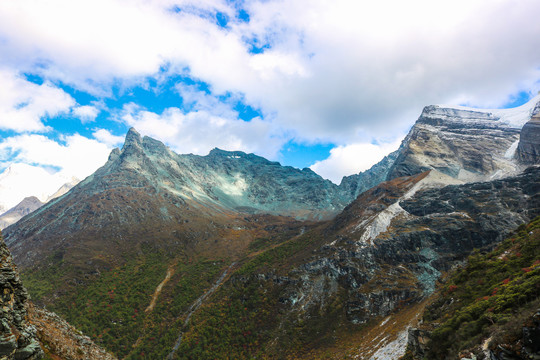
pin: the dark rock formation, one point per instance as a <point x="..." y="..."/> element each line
<point x="528" y="151"/>
<point x="425" y="235"/>
<point x="17" y="337"/>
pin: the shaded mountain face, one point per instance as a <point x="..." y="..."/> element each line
<point x="356" y="184"/>
<point x="528" y="151"/>
<point x="487" y="309"/>
<point x="25" y="207"/>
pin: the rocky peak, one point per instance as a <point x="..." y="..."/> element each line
<point x="133" y="143"/>
<point x="464" y="143"/>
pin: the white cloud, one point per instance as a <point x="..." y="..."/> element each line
<point x="352" y="159"/>
<point x="200" y="131"/>
<point x="22" y="180"/>
<point x="76" y="156"/>
<point x="342" y="71"/>
<point x="85" y="113"/>
<point x="23" y="104"/>
<point x="104" y="136"/>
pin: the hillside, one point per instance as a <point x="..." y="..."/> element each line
<point x="488" y="308"/>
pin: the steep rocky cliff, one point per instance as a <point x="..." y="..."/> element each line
<point x="18" y="338"/>
<point x="464" y="143"/>
<point x="528" y="151"/>
<point x="358" y="183"/>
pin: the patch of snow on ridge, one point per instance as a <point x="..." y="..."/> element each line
<point x="235" y="186"/>
<point x="381" y="222"/>
<point x="513" y="117"/>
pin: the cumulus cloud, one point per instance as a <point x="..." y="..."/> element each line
<point x="76" y="156"/>
<point x="85" y="113"/>
<point x="337" y="71"/>
<point x="200" y="131"/>
<point x="23" y="104"/>
<point x="104" y="136"/>
<point x="352" y="159"/>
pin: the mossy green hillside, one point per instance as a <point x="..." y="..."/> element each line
<point x="490" y="291"/>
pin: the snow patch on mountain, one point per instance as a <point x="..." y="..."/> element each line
<point x="513" y="117"/>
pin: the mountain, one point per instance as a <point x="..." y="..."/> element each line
<point x="356" y="184"/>
<point x="160" y="255"/>
<point x="528" y="150"/>
<point x="465" y="143"/>
<point x="25" y="207"/>
<point x="147" y="184"/>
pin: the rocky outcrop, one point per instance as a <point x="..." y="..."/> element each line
<point x="528" y="150"/>
<point x="62" y="340"/>
<point x="17" y="337"/>
<point x="25" y="207"/>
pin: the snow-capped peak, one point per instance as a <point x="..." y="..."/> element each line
<point x="512" y="117"/>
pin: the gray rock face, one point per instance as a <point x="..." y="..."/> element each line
<point x="528" y="151"/>
<point x="356" y="184"/>
<point x="17" y="337"/>
<point x="464" y="144"/>
<point x="25" y="207"/>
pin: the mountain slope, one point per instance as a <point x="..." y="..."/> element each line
<point x="315" y="296"/>
<point x="488" y="308"/>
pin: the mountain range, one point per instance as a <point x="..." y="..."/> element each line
<point x="160" y="255"/>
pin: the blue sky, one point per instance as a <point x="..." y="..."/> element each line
<point x="330" y="85"/>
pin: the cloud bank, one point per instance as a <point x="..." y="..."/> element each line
<point x="341" y="72"/>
